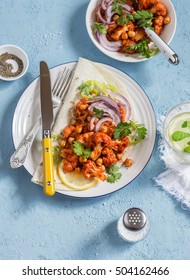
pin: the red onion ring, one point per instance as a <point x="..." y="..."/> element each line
<point x="92" y="125"/>
<point x="126" y="7"/>
<point x="124" y="101"/>
<point x="109" y="102"/>
<point x="108" y="111"/>
<point x="101" y="121"/>
<point x="109" y="13"/>
<point x="98" y="12"/>
<point x="108" y="45"/>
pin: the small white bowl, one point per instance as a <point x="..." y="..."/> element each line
<point x="20" y="53"/>
<point x="167" y="32"/>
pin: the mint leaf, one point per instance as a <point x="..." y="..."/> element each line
<point x="179" y="135"/>
<point x="186" y="124"/>
<point x="187" y="149"/>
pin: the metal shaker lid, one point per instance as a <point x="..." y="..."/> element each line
<point x="134" y="219"/>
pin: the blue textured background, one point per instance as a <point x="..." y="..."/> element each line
<point x="33" y="226"/>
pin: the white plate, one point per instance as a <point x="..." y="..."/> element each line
<point x="27" y="113"/>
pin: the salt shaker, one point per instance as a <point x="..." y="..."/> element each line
<point x="133" y="225"/>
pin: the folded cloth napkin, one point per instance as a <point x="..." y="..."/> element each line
<point x="176" y="179"/>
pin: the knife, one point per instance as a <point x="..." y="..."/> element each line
<point x="47" y="120"/>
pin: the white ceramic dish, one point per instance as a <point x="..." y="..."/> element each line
<point x="28" y="110"/>
<point x="167" y="32"/>
<point x="20" y="53"/>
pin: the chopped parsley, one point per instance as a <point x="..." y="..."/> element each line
<point x="98" y="113"/>
<point x="125" y="19"/>
<point x="143" y="48"/>
<point x="99" y="27"/>
<point x="80" y="150"/>
<point x="114" y="175"/>
<point x="143" y="18"/>
<point x="135" y="132"/>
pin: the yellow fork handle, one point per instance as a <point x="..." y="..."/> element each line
<point x="49" y="184"/>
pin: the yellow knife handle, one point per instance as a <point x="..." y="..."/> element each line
<point x="49" y="184"/>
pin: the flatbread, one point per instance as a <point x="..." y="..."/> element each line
<point x="84" y="71"/>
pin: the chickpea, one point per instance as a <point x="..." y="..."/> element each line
<point x="83" y="107"/>
<point x="81" y="159"/>
<point x="73" y="122"/>
<point x="131" y="34"/>
<point x="62" y="143"/>
<point x="115" y="17"/>
<point x="99" y="161"/>
<point x="124" y="36"/>
<point x="119" y="156"/>
<point x="104" y="129"/>
<point x="88" y="118"/>
<point x="128" y="162"/>
<point x="78" y="129"/>
<point x="167" y="20"/>
<point x="70" y="140"/>
<point x="92" y="155"/>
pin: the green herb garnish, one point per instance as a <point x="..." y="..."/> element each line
<point x="125" y="19"/>
<point x="55" y="137"/>
<point x="80" y="150"/>
<point x="98" y="113"/>
<point x="84" y="88"/>
<point x="143" y="48"/>
<point x="143" y="18"/>
<point x="186" y="124"/>
<point x="136" y="132"/>
<point x="179" y="135"/>
<point x="56" y="154"/>
<point x="117" y="7"/>
<point x="187" y="149"/>
<point x="122" y="130"/>
<point x="99" y="27"/>
<point x="114" y="174"/>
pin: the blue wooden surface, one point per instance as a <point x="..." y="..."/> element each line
<point x="33" y="226"/>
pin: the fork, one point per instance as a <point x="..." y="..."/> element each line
<point x="58" y="93"/>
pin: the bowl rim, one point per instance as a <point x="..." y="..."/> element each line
<point x="121" y="57"/>
<point x="26" y="64"/>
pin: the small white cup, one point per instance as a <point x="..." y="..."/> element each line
<point x="20" y="53"/>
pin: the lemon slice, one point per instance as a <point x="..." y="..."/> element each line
<point x="74" y="180"/>
<point x="177" y="124"/>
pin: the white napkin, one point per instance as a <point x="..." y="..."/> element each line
<point x="176" y="179"/>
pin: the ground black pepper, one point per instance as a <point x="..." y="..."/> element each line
<point x="6" y="68"/>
